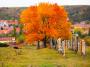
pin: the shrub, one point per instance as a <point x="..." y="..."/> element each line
<point x="3" y="45"/>
<point x="87" y="40"/>
<point x="20" y="39"/>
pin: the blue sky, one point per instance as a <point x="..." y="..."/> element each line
<point x="25" y="3"/>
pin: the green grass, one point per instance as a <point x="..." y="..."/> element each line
<point x="29" y="56"/>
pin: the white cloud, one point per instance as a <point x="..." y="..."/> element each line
<point x="23" y="3"/>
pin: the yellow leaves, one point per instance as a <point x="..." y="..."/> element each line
<point x="76" y="29"/>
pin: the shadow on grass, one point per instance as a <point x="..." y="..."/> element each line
<point x="3" y="45"/>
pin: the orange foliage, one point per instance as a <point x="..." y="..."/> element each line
<point x="45" y="20"/>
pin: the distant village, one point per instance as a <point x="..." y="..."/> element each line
<point x="6" y="26"/>
<point x="7" y="30"/>
<point x="82" y="25"/>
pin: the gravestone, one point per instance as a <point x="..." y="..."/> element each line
<point x="69" y="44"/>
<point x="59" y="46"/>
<point x="59" y="43"/>
<point x="75" y="44"/>
<point x="63" y="47"/>
<point x="83" y="48"/>
<point x="72" y="42"/>
<point x="79" y="45"/>
<point x="51" y="43"/>
<point x="66" y="44"/>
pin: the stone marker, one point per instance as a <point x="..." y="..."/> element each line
<point x="69" y="44"/>
<point x="63" y="47"/>
<point x="83" y="48"/>
<point x="59" y="46"/>
<point x="59" y="43"/>
<point x="79" y="46"/>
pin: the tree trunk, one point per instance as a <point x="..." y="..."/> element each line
<point x="38" y="45"/>
<point x="51" y="44"/>
<point x="55" y="43"/>
<point x="44" y="42"/>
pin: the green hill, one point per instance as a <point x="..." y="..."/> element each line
<point x="76" y="13"/>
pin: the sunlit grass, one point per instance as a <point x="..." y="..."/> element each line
<point x="30" y="56"/>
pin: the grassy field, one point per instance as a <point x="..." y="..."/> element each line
<point x="29" y="56"/>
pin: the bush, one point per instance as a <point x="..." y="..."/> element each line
<point x="87" y="40"/>
<point x="20" y="39"/>
<point x="3" y="45"/>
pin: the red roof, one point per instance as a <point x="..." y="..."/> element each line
<point x="82" y="25"/>
<point x="17" y="30"/>
<point x="9" y="30"/>
<point x="10" y="21"/>
<point x="6" y="38"/>
<point x="4" y="31"/>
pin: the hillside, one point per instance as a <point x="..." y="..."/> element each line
<point x="76" y="13"/>
<point x="10" y="13"/>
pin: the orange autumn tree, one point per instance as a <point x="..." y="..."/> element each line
<point x="30" y="20"/>
<point x="45" y="21"/>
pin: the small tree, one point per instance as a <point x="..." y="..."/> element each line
<point x="14" y="31"/>
<point x="89" y="32"/>
<point x="21" y="29"/>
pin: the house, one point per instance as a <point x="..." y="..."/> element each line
<point x="82" y="25"/>
<point x="7" y="39"/>
<point x="6" y="26"/>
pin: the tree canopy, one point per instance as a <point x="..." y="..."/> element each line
<point x="45" y="20"/>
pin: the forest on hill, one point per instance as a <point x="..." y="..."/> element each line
<point x="77" y="13"/>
